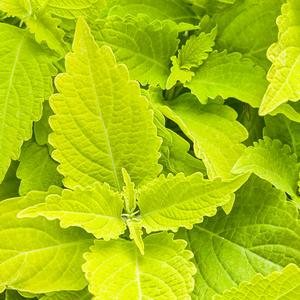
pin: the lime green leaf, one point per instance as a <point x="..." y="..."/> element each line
<point x="289" y="110"/>
<point x="168" y="203"/>
<point x="69" y="9"/>
<point x="25" y="83"/>
<point x="272" y="161"/>
<point x="249" y="27"/>
<point x="46" y="28"/>
<point x="284" y="55"/>
<point x="37" y="170"/>
<point x="129" y="193"/>
<point x="80" y="295"/>
<point x="100" y="130"/>
<point x="164" y="272"/>
<point x="10" y="185"/>
<point x="191" y="55"/>
<point x="97" y="209"/>
<point x="42" y="128"/>
<point x="135" y="233"/>
<point x="211" y="127"/>
<point x="229" y="75"/>
<point x="175" y="10"/>
<point x="260" y="235"/>
<point x="145" y="46"/>
<point x="277" y="285"/>
<point x="41" y="257"/>
<point x="19" y="8"/>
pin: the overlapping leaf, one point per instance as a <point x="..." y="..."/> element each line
<point x="101" y="124"/>
<point x="97" y="209"/>
<point x="211" y="127"/>
<point x="168" y="203"/>
<point x="175" y="10"/>
<point x="272" y="161"/>
<point x="260" y="235"/>
<point x="41" y="257"/>
<point x="26" y="72"/>
<point x="145" y="46"/>
<point x="191" y="55"/>
<point x="229" y="75"/>
<point x="285" y="57"/>
<point x="249" y="27"/>
<point x="164" y="272"/>
<point x="277" y="285"/>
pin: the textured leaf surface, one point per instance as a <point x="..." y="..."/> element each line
<point x="191" y="55"/>
<point x="285" y="57"/>
<point x="273" y="162"/>
<point x="249" y="27"/>
<point x="37" y="170"/>
<point x="277" y="285"/>
<point x="175" y="10"/>
<point x="229" y="75"/>
<point x="260" y="235"/>
<point x="41" y="257"/>
<point x="97" y="209"/>
<point x="164" y="272"/>
<point x="168" y="203"/>
<point x="145" y="46"/>
<point x="101" y="124"/>
<point x="25" y="82"/>
<point x="211" y="127"/>
<point x="68" y="9"/>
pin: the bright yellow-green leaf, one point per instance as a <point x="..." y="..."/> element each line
<point x="97" y="209"/>
<point x="38" y="256"/>
<point x="117" y="269"/>
<point x="284" y="285"/>
<point x="168" y="203"/>
<point x="26" y="80"/>
<point x="211" y="127"/>
<point x="101" y="123"/>
<point x="285" y="57"/>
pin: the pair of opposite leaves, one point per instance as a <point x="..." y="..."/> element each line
<point x="104" y="136"/>
<point x="106" y="143"/>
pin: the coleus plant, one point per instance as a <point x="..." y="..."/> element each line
<point x="135" y="182"/>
